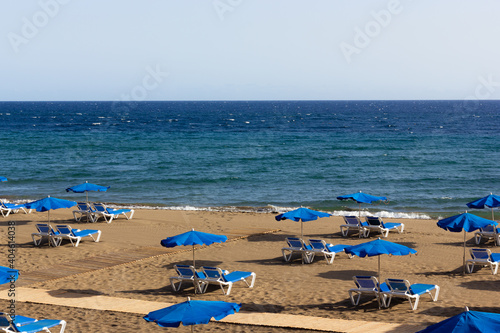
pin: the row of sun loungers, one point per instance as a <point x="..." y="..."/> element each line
<point x="56" y="236"/>
<point x="28" y="325"/>
<point x="372" y="223"/>
<point x="93" y="212"/>
<point x="209" y="275"/>
<point x="384" y="292"/>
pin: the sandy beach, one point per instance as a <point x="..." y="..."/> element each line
<point x="317" y="289"/>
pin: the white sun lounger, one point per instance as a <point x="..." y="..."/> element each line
<point x="353" y="223"/>
<point x="76" y="235"/>
<point x="403" y="289"/>
<point x="109" y="214"/>
<point x="376" y="224"/>
<point x="214" y="275"/>
<point x="483" y="257"/>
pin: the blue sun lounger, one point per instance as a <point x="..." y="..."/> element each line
<point x="45" y="231"/>
<point x="488" y="232"/>
<point x="368" y="285"/>
<point x="353" y="223"/>
<point x="28" y="325"/>
<point x="296" y="245"/>
<point x="66" y="232"/>
<point x="214" y="275"/>
<point x="186" y="273"/>
<point x="483" y="257"/>
<point x="376" y="223"/>
<point x="84" y="210"/>
<point x="109" y="213"/>
<point x="319" y="246"/>
<point x="403" y="289"/>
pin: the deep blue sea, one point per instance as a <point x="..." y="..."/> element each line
<point x="428" y="157"/>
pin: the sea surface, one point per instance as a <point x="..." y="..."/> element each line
<point x="429" y="158"/>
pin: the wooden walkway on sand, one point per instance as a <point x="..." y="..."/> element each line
<point x="140" y="307"/>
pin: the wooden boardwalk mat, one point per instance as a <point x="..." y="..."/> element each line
<point x="107" y="260"/>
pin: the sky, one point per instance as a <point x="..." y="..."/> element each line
<point x="120" y="50"/>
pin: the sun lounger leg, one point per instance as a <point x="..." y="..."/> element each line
<point x="436" y="293"/>
<point x="494" y="268"/>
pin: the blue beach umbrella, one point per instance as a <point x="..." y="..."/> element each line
<point x="467" y="322"/>
<point x="193" y="238"/>
<point x="488" y="201"/>
<point x="87" y="187"/>
<point x="192" y="313"/>
<point x="8" y="274"/>
<point x="49" y="203"/>
<point x="377" y="248"/>
<point x="3" y="179"/>
<point x="466" y="222"/>
<point x="360" y="198"/>
<point x="301" y="215"/>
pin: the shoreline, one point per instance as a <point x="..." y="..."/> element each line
<point x="273" y="209"/>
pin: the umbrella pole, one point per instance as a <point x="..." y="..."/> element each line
<point x="379" y="269"/>
<point x="463" y="271"/>
<point x="360" y="211"/>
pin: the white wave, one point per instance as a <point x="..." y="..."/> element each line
<point x="384" y="214"/>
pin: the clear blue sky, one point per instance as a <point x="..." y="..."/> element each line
<point x="249" y="49"/>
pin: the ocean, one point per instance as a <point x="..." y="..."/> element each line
<point x="429" y="158"/>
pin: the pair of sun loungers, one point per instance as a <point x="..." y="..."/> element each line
<point x="309" y="251"/>
<point x="372" y="223"/>
<point x="93" y="212"/>
<point x="28" y="325"/>
<point x="369" y="285"/>
<point x="56" y="236"/>
<point x="209" y="275"/>
<point x="7" y="208"/>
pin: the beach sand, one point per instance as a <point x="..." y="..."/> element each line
<point x="317" y="289"/>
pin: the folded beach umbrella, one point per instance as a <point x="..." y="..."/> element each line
<point x="301" y="215"/>
<point x="8" y="274"/>
<point x="488" y="201"/>
<point x="192" y="313"/>
<point x="49" y="203"/>
<point x="467" y="322"/>
<point x="87" y="187"/>
<point x="378" y="247"/>
<point x="193" y="238"/>
<point x="466" y="222"/>
<point x="360" y="198"/>
<point x="3" y="179"/>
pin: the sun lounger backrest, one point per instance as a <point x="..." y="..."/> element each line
<point x="294" y="242"/>
<point x="488" y="228"/>
<point x="366" y="282"/>
<point x="317" y="244"/>
<point x="480" y="253"/>
<point x="43" y="228"/>
<point x="353" y="220"/>
<point x="398" y="285"/>
<point x="213" y="272"/>
<point x="4" y="320"/>
<point x="100" y="207"/>
<point x="65" y="229"/>
<point x="373" y="220"/>
<point x="184" y="270"/>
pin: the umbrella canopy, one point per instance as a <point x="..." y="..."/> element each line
<point x="378" y="247"/>
<point x="86" y="188"/>
<point x="488" y="201"/>
<point x="468" y="322"/>
<point x="49" y="203"/>
<point x="301" y="215"/>
<point x="360" y="198"/>
<point x="8" y="274"/>
<point x="192" y="313"/>
<point x="466" y="222"/>
<point x="3" y="179"/>
<point x="193" y="238"/>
